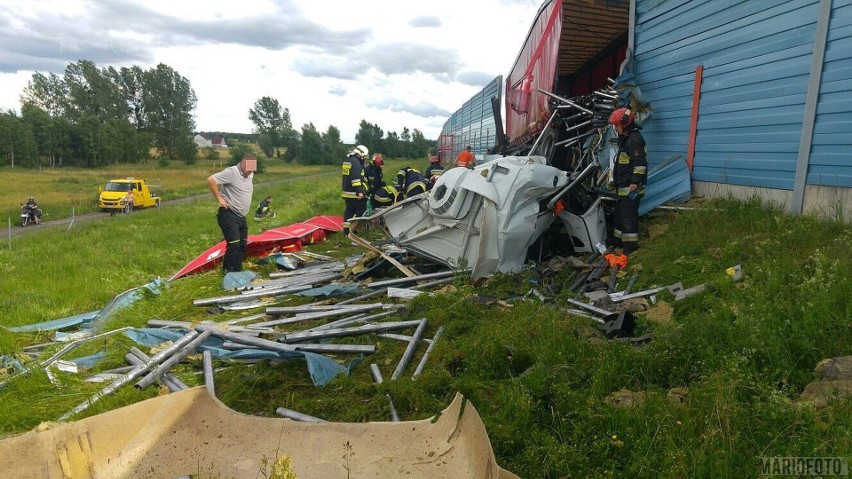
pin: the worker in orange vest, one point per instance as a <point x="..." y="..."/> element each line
<point x="466" y="159"/>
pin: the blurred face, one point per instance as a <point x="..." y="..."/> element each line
<point x="248" y="165"/>
<point x="619" y="129"/>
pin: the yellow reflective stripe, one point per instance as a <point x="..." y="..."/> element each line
<point x="623" y="190"/>
<point x="349" y="195"/>
<point x="356" y="182"/>
<point x="235" y="241"/>
<point x="616" y="232"/>
<point x="630" y="237"/>
<point x="640" y="170"/>
<point x="414" y="185"/>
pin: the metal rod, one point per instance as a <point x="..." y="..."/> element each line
<point x="543" y="130"/>
<point x="132" y="375"/>
<point x="354" y="331"/>
<point x="371" y="294"/>
<point x="377" y="378"/>
<point x="297" y="416"/>
<point x="254" y="294"/>
<point x="565" y="100"/>
<point x="422" y="363"/>
<point x="433" y="283"/>
<point x="136" y="362"/>
<point x="588" y="170"/>
<point x="171" y="378"/>
<point x="630" y="283"/>
<point x="352" y="320"/>
<point x="322" y="314"/>
<point x="162" y="323"/>
<point x="411" y="279"/>
<point x="207" y="360"/>
<point x="589" y="307"/>
<point x="409" y="351"/>
<point x="172" y="360"/>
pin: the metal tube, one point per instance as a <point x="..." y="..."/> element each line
<point x="132" y="375"/>
<point x="377" y="378"/>
<point x="207" y="359"/>
<point x="136" y="362"/>
<point x="297" y="416"/>
<point x="254" y="294"/>
<point x="538" y="139"/>
<point x="172" y="360"/>
<point x="371" y="294"/>
<point x="433" y="283"/>
<point x="630" y="283"/>
<point x="409" y="351"/>
<point x="169" y="377"/>
<point x="411" y="279"/>
<point x="322" y="314"/>
<point x="352" y="320"/>
<point x="354" y="331"/>
<point x="589" y="307"/>
<point x="589" y="169"/>
<point x="422" y="363"/>
<point x="565" y="100"/>
<point x="162" y="323"/>
<point x="276" y="346"/>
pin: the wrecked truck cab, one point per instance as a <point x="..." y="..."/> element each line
<point x="484" y="219"/>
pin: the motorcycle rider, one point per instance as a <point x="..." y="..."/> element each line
<point x="32" y="209"/>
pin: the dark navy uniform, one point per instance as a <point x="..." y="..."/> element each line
<point x="432" y="173"/>
<point x="354" y="184"/>
<point x="631" y="167"/>
<point x="410" y="182"/>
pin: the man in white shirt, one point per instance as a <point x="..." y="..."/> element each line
<point x="232" y="188"/>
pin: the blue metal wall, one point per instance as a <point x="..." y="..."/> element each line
<point x="831" y="150"/>
<point x="473" y="123"/>
<point x="757" y="58"/>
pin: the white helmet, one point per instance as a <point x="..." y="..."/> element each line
<point x="361" y="151"/>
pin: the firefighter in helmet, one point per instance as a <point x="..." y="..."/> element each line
<point x="433" y="171"/>
<point x="410" y="181"/>
<point x="354" y="188"/>
<point x="629" y="175"/>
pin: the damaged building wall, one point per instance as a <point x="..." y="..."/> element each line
<point x="772" y="109"/>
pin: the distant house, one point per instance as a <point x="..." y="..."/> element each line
<point x="219" y="142"/>
<point x="201" y="141"/>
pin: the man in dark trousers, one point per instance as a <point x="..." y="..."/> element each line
<point x="629" y="175"/>
<point x="374" y="173"/>
<point x="232" y="188"/>
<point x="354" y="188"/>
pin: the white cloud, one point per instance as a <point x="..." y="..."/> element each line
<point x="395" y="64"/>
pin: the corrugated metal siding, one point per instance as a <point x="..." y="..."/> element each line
<point x="473" y="124"/>
<point x="756" y="58"/>
<point x="831" y="150"/>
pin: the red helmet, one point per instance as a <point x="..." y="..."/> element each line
<point x="621" y="116"/>
<point x="378" y="160"/>
<point x="434" y="159"/>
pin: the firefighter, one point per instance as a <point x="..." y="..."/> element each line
<point x="374" y="174"/>
<point x="386" y="196"/>
<point x="466" y="159"/>
<point x="410" y="182"/>
<point x="433" y="171"/>
<point x="353" y="190"/>
<point x="629" y="176"/>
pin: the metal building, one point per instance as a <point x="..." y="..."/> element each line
<point x="757" y="94"/>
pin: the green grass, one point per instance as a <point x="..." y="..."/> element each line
<point x="743" y="350"/>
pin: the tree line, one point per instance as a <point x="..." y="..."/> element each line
<point x="92" y="116"/>
<point x="277" y="137"/>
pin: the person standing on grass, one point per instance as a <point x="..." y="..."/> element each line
<point x="629" y="175"/>
<point x="232" y="188"/>
<point x="354" y="186"/>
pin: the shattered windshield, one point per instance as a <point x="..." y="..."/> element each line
<point x="113" y="186"/>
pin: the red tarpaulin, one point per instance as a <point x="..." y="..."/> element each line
<point x="283" y="239"/>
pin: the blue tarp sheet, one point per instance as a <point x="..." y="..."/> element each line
<point x="321" y="368"/>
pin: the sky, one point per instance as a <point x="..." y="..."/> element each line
<point x="393" y="63"/>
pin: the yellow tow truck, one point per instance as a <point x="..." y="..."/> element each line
<point x="112" y="196"/>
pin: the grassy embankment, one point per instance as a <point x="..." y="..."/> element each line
<point x="59" y="190"/>
<point x="539" y="377"/>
